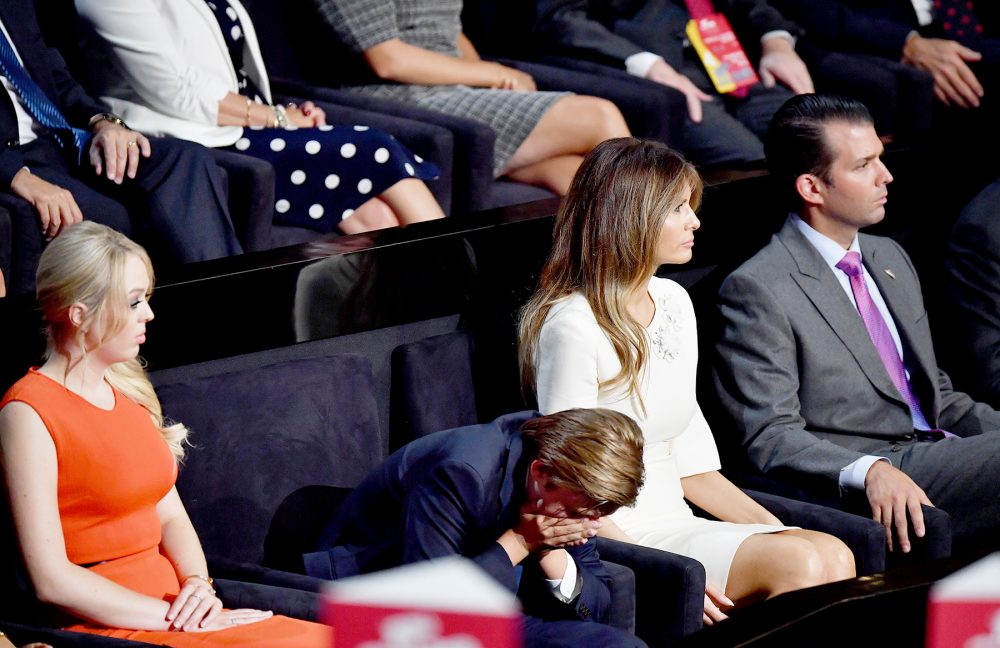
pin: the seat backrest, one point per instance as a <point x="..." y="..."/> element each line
<point x="432" y="387"/>
<point x="261" y="434"/>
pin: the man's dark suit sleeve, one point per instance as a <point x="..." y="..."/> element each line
<point x="440" y="519"/>
<point x="593" y="600"/>
<point x="972" y="266"/>
<point x="836" y="26"/>
<point x="959" y="413"/>
<point x="567" y="25"/>
<point x="756" y="18"/>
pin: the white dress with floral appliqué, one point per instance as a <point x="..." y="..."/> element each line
<point x="575" y="356"/>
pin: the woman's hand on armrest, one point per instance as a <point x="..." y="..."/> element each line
<point x="394" y="60"/>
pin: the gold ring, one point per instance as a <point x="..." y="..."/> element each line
<point x="131" y="143"/>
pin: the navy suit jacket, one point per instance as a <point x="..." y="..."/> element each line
<point x="48" y="69"/>
<point x="453" y="492"/>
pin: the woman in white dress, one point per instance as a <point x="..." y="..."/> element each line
<point x="603" y="331"/>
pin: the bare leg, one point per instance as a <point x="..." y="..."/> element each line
<point x="3" y="286"/>
<point x="555" y="174"/>
<point x="412" y="202"/>
<point x="372" y="215"/>
<point x="572" y="126"/>
<point x="766" y="565"/>
<point x="407" y="201"/>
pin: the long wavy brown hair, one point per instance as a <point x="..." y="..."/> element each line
<point x="604" y="245"/>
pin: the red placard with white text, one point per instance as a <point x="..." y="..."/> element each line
<point x="444" y="603"/>
<point x="964" y="609"/>
<point x="721" y="53"/>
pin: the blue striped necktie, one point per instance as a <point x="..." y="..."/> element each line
<point x="41" y="107"/>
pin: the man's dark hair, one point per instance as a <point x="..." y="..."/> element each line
<point x="795" y="142"/>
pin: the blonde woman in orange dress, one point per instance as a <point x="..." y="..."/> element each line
<point x="90" y="467"/>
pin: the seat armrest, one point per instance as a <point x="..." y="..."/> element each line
<point x="621" y="613"/>
<point x="669" y="590"/>
<point x="251" y="197"/>
<point x="253" y="573"/>
<point x="23" y="634"/>
<point x="294" y="603"/>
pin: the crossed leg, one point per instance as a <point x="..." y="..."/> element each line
<point x="407" y="201"/>
<point x="554" y="149"/>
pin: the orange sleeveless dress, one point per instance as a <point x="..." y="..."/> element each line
<point x="114" y="467"/>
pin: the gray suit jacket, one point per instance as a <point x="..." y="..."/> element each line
<point x="798" y="374"/>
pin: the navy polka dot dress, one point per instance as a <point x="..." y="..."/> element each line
<point x="324" y="173"/>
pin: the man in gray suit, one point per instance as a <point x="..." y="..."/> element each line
<point x="825" y="362"/>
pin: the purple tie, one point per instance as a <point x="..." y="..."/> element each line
<point x="881" y="337"/>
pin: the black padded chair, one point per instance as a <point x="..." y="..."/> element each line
<point x="261" y="434"/>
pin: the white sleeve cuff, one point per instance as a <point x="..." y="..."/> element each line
<point x="567" y="583"/>
<point x="639" y="64"/>
<point x="779" y="33"/>
<point x="853" y="475"/>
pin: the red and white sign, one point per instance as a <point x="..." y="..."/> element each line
<point x="444" y="603"/>
<point x="721" y="53"/>
<point x="964" y="608"/>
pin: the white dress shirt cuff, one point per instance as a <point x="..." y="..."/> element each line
<point x="639" y="64"/>
<point x="567" y="583"/>
<point x="779" y="33"/>
<point x="853" y="475"/>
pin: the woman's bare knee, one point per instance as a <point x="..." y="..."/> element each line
<point x="372" y="215"/>
<point x="838" y="559"/>
<point x="611" y="122"/>
<point x="599" y="118"/>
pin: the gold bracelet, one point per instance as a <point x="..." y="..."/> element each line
<point x="205" y="579"/>
<point x="108" y="117"/>
<point x="249" y="103"/>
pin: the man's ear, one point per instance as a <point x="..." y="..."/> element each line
<point x="539" y="473"/>
<point x="810" y="188"/>
<point x="78" y="314"/>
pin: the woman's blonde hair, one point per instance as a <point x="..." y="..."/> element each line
<point x="86" y="265"/>
<point x="604" y="247"/>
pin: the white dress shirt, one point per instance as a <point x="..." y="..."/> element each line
<point x="924" y="10"/>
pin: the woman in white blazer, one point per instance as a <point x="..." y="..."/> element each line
<point x="192" y="69"/>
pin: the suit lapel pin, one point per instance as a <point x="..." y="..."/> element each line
<point x="892" y="275"/>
